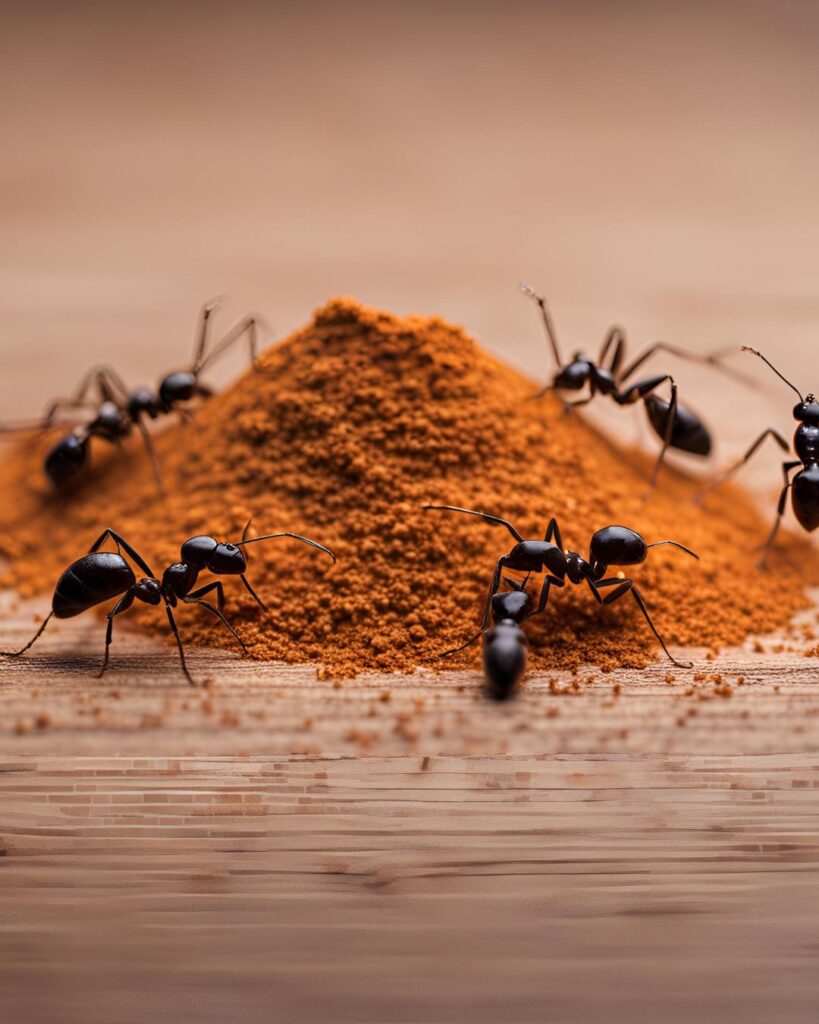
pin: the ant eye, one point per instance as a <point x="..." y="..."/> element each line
<point x="230" y="547"/>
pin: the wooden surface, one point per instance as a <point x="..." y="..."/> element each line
<point x="525" y="888"/>
<point x="400" y="849"/>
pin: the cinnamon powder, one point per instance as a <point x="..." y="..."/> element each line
<point x="346" y="430"/>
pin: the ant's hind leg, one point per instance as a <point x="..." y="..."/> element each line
<point x="671" y="416"/>
<point x="147" y="440"/>
<point x="32" y="641"/>
<point x="120" y="541"/>
<point x="787" y="469"/>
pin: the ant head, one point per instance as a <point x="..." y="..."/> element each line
<point x="198" y="550"/>
<point x="617" y="545"/>
<point x="511" y="604"/>
<point x="807" y="411"/>
<point x="148" y="590"/>
<point x="573" y="375"/>
<point x="177" y="387"/>
<point x="227" y="560"/>
<point x="143" y="402"/>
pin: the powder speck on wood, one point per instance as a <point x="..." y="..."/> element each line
<point x="345" y="431"/>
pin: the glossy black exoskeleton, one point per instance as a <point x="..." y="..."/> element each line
<point x="674" y="424"/>
<point x="104" y="575"/>
<point x="613" y="545"/>
<point x="116" y="411"/>
<point x="804" y="486"/>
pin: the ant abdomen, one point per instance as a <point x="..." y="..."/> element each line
<point x="688" y="432"/>
<point x="504" y="659"/>
<point x="66" y="458"/>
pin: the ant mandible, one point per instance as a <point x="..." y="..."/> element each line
<point x="116" y="410"/>
<point x="804" y="486"/>
<point x="103" y="575"/>
<point x="675" y="424"/>
<point x="613" y="545"/>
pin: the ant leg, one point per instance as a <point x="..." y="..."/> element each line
<point x="712" y="359"/>
<point x="718" y="481"/>
<point x="202" y="329"/>
<point x="671" y="417"/>
<point x="539" y="394"/>
<point x="252" y="592"/>
<point x="553" y="530"/>
<point x="120" y="541"/>
<point x="455" y="650"/>
<point x="493" y="589"/>
<point x="178" y="639"/>
<point x="625" y="586"/>
<point x="122" y="605"/>
<point x="548" y="583"/>
<point x="548" y="326"/>
<point x="32" y="641"/>
<point x="481" y="515"/>
<point x="617" y="338"/>
<point x="147" y="440"/>
<point x="197" y="598"/>
<point x="787" y="469"/>
<point x="248" y="325"/>
<point x="568" y="406"/>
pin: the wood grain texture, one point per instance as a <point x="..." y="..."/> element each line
<point x="518" y="888"/>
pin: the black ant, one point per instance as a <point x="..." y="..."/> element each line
<point x="116" y="410"/>
<point x="505" y="645"/>
<point x="804" y="487"/>
<point x="613" y="545"/>
<point x="674" y="424"/>
<point x="103" y="575"/>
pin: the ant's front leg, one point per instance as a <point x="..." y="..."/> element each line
<point x="757" y="444"/>
<point x="196" y="597"/>
<point x="627" y="586"/>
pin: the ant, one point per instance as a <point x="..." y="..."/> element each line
<point x="103" y="575"/>
<point x="804" y="486"/>
<point x="675" y="425"/>
<point x="613" y="545"/>
<point x="505" y="645"/>
<point x="117" y="411"/>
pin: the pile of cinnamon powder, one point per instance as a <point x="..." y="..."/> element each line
<point x="350" y="426"/>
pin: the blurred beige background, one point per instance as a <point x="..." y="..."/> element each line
<point x="655" y="164"/>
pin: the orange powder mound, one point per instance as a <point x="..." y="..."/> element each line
<point x="348" y="427"/>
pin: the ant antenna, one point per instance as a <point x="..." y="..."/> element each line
<point x="295" y="536"/>
<point x="551" y="334"/>
<point x="747" y="348"/>
<point x="675" y="544"/>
